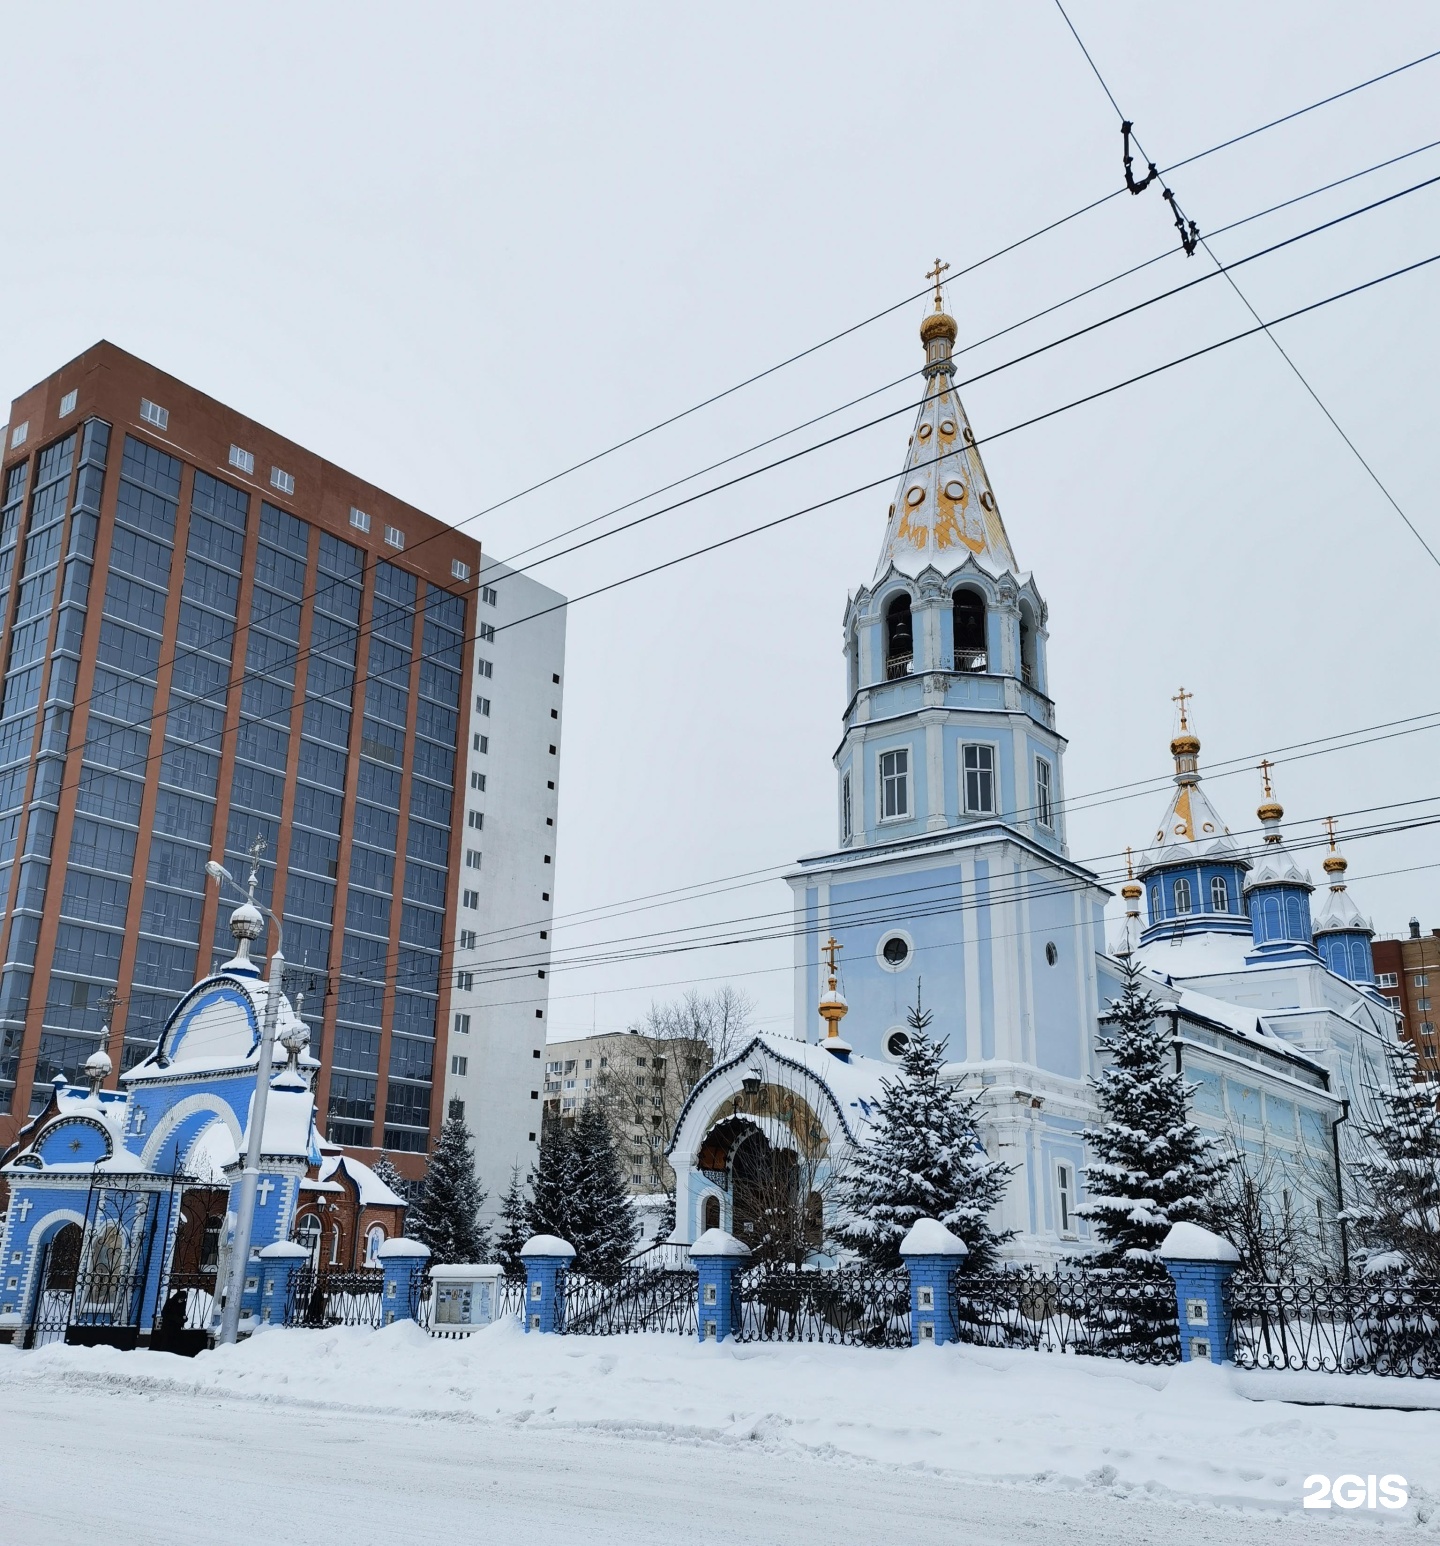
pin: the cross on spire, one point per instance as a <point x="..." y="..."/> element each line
<point x="935" y="274"/>
<point x="1182" y="698"/>
<point x="258" y="846"/>
<point x="1329" y="823"/>
<point x="1265" y="765"/>
<point x="829" y="949"/>
<point x="1129" y="863"/>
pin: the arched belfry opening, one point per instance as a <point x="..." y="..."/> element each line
<point x="971" y="652"/>
<point x="899" y="638"/>
<point x="1029" y="663"/>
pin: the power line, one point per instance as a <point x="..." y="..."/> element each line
<point x="1265" y="327"/>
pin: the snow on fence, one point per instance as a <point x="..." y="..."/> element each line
<point x="1106" y="1312"/>
<point x="639" y="1299"/>
<point x="857" y="1306"/>
<point x="1344" y="1328"/>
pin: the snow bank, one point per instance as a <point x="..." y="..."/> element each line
<point x="1033" y="1419"/>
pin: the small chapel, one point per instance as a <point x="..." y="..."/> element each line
<point x="951" y="862"/>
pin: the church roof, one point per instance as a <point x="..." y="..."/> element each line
<point x="1191" y="829"/>
<point x="944" y="511"/>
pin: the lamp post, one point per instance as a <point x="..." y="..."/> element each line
<point x="249" y="928"/>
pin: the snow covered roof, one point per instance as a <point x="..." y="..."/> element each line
<point x="79" y="1131"/>
<point x="373" y="1191"/>
<point x="1339" y="912"/>
<point x="1189" y="1242"/>
<point x="1191" y="828"/>
<point x="1276" y="866"/>
<point x="944" y="512"/>
<point x="289" y="1122"/>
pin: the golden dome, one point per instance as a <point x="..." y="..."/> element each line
<point x="1132" y="890"/>
<point x="1272" y="810"/>
<point x="938" y="324"/>
<point x="1334" y="864"/>
<point x="1186" y="744"/>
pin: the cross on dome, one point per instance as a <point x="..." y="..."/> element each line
<point x="1182" y="698"/>
<point x="935" y="274"/>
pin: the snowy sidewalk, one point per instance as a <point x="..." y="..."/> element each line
<point x="1039" y="1421"/>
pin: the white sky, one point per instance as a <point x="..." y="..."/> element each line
<point x="456" y="248"/>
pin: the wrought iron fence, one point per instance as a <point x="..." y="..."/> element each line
<point x="185" y="1307"/>
<point x="1373" y="1327"/>
<point x="335" y="1298"/>
<point x="640" y="1299"/>
<point x="858" y="1306"/>
<point x="509" y="1299"/>
<point x="1106" y="1312"/>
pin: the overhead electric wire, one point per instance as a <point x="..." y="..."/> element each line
<point x="1265" y="327"/>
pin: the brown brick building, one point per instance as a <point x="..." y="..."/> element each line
<point x="1407" y="972"/>
<point x="213" y="639"/>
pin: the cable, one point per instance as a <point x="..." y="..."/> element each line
<point x="1264" y="327"/>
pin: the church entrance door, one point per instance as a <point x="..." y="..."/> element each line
<point x="55" y="1289"/>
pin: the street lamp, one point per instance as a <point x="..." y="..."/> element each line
<point x="245" y="924"/>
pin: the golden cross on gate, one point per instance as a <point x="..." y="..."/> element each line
<point x="935" y="274"/>
<point x="1265" y="765"/>
<point x="1182" y="698"/>
<point x="828" y="950"/>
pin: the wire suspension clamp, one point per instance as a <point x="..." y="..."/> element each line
<point x="1189" y="231"/>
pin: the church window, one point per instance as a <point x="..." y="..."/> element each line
<point x="1182" y="895"/>
<point x="308" y="1234"/>
<point x="894" y="785"/>
<point x="1052" y="953"/>
<point x="1044" y="799"/>
<point x="899" y="638"/>
<point x="845" y="808"/>
<point x="1029" y="673"/>
<point x="1219" y="895"/>
<point x="1065" y="1198"/>
<point x="1157" y="910"/>
<point x="897" y="1044"/>
<point x="979" y="764"/>
<point x="894" y="950"/>
<point x="969" y="620"/>
<point x="712" y="1212"/>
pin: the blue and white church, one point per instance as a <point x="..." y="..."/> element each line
<point x="951" y="865"/>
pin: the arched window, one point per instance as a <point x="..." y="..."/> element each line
<point x="1219" y="895"/>
<point x="308" y="1232"/>
<point x="1029" y="672"/>
<point x="1182" y="895"/>
<point x="1295" y="917"/>
<point x="899" y="638"/>
<point x="970" y="643"/>
<point x="1157" y="909"/>
<point x="711" y="1219"/>
<point x="1272" y="924"/>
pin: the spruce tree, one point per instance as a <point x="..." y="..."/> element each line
<point x="514" y="1228"/>
<point x="1152" y="1166"/>
<point x="605" y="1227"/>
<point x="923" y="1159"/>
<point x="1396" y="1214"/>
<point x="447" y="1216"/>
<point x="386" y="1172"/>
<point x="553" y="1183"/>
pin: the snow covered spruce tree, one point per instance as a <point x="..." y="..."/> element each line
<point x="514" y="1227"/>
<point x="1396" y="1214"/>
<point x="1151" y="1166"/>
<point x="385" y="1171"/>
<point x="923" y="1160"/>
<point x="578" y="1192"/>
<point x="447" y="1216"/>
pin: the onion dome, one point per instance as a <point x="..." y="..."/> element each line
<point x="1338" y="913"/>
<point x="247" y="924"/>
<point x="1191" y="828"/>
<point x="98" y="1065"/>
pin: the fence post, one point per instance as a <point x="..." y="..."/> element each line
<point x="545" y="1257"/>
<point x="1200" y="1264"/>
<point x="931" y="1253"/>
<point x="279" y="1262"/>
<point x="403" y="1264"/>
<point x="719" y="1259"/>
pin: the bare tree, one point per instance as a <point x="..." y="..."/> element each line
<point x="1259" y="1207"/>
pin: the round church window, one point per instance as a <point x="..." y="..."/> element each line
<point x="988" y="500"/>
<point x="1052" y="954"/>
<point x="924" y="432"/>
<point x="954" y="489"/>
<point x="894" y="950"/>
<point x="947" y="426"/>
<point x="897" y="1044"/>
<point x="914" y="496"/>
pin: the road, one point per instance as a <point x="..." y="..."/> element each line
<point x="81" y="1463"/>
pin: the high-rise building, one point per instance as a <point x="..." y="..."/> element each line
<point x="1407" y="972"/>
<point x="216" y="644"/>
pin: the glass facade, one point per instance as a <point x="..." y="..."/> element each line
<point x="260" y="686"/>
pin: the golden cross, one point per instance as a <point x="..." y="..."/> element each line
<point x="1265" y="765"/>
<point x="935" y="274"/>
<point x="1129" y="864"/>
<point x="1182" y="698"/>
<point x="828" y="950"/>
<point x="1330" y="828"/>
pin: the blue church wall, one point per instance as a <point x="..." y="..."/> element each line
<point x="1061" y="1142"/>
<point x="984" y="933"/>
<point x="1348" y="955"/>
<point x="1051" y="837"/>
<point x="974" y="692"/>
<point x="76" y="1142"/>
<point x="1160" y="897"/>
<point x="1059" y="1019"/>
<point x="1280" y="914"/>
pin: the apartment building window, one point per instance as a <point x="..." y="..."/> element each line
<point x="1387" y="980"/>
<point x="1422" y="979"/>
<point x="476" y="819"/>
<point x="482" y="706"/>
<point x="462" y="1025"/>
<point x="467" y="939"/>
<point x="359" y="519"/>
<point x="459" y="571"/>
<point x="979" y="764"/>
<point x="20" y="434"/>
<point x="458" y="1065"/>
<point x="477" y="781"/>
<point x="1423" y="1005"/>
<point x="152" y="413"/>
<point x="470" y="899"/>
<point x="894" y="785"/>
<point x="482" y="744"/>
<point x="394" y="537"/>
<point x="487" y="632"/>
<point x="472" y="858"/>
<point x="1044" y="809"/>
<point x="465" y="981"/>
<point x="484" y="668"/>
<point x="489" y="595"/>
<point x="67" y="403"/>
<point x="242" y="459"/>
<point x="281" y="480"/>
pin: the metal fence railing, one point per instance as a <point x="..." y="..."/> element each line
<point x="335" y="1298"/>
<point x="639" y="1299"/>
<point x="1368" y="1326"/>
<point x="1106" y="1312"/>
<point x="858" y="1306"/>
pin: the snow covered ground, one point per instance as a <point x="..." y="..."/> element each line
<point x="354" y="1435"/>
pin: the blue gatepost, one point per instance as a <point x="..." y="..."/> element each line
<point x="718" y="1259"/>
<point x="403" y="1264"/>
<point x="1200" y="1264"/>
<point x="931" y="1254"/>
<point x="279" y="1263"/>
<point x="545" y="1257"/>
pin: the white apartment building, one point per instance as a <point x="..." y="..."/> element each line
<point x="500" y="1002"/>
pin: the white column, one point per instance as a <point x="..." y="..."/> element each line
<point x="934" y="720"/>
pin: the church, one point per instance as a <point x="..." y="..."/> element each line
<point x="951" y="864"/>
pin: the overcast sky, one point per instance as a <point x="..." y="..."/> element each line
<point x="456" y="248"/>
